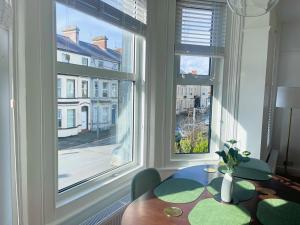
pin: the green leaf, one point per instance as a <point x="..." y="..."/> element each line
<point x="227" y="146"/>
<point x="246" y="153"/>
<point x="232" y="141"/>
<point x="223" y="155"/>
<point x="233" y="153"/>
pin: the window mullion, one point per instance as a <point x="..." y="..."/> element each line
<point x="73" y="70"/>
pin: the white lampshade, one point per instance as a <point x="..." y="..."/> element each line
<point x="251" y="8"/>
<point x="288" y="97"/>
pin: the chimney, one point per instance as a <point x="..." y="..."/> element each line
<point x="72" y="32"/>
<point x="100" y="41"/>
<point x="119" y="50"/>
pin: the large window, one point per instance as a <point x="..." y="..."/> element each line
<point x="70" y="88"/>
<point x="58" y="88"/>
<point x="97" y="140"/>
<point x="84" y="88"/>
<point x="71" y="118"/>
<point x="200" y="40"/>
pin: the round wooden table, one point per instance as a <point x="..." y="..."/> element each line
<point x="148" y="210"/>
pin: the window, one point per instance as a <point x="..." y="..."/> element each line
<point x="71" y="118"/>
<point x="199" y="48"/>
<point x="105" y="89"/>
<point x="58" y="88"/>
<point x="65" y="58"/>
<point x="96" y="88"/>
<point x="114" y="92"/>
<point x="100" y="64"/>
<point x="59" y="118"/>
<point x="85" y="61"/>
<point x="105" y="114"/>
<point x="84" y="88"/>
<point x="70" y="88"/>
<point x="106" y="123"/>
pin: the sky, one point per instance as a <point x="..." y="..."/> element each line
<point x="89" y="26"/>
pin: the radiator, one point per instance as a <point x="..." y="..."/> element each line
<point x="111" y="215"/>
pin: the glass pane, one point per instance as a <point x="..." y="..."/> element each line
<point x="193" y="118"/>
<point x="70" y="88"/>
<point x="95" y="133"/>
<point x="195" y="65"/>
<point x="85" y="40"/>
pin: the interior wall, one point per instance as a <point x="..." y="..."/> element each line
<point x="255" y="83"/>
<point x="288" y="76"/>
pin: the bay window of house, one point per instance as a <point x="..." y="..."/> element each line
<point x="105" y="89"/>
<point x="59" y="118"/>
<point x="84" y="88"/>
<point x="106" y="142"/>
<point x="59" y="88"/>
<point x="199" y="49"/>
<point x="70" y="88"/>
<point x="71" y="118"/>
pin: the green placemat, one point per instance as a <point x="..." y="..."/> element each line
<point x="278" y="212"/>
<point x="242" y="190"/>
<point x="247" y="173"/>
<point x="211" y="212"/>
<point x="179" y="190"/>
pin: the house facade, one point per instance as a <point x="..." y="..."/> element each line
<point x="192" y="96"/>
<point x="86" y="104"/>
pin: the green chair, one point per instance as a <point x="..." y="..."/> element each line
<point x="144" y="181"/>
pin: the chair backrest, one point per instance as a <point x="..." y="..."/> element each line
<point x="144" y="181"/>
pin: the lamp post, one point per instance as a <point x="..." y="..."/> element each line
<point x="288" y="97"/>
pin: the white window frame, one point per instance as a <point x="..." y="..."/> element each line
<point x="104" y="74"/>
<point x="44" y="205"/>
<point x="172" y="160"/>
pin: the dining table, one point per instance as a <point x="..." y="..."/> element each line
<point x="148" y="209"/>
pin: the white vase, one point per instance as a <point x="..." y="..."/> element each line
<point x="227" y="188"/>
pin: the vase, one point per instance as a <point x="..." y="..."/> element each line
<point x="227" y="188"/>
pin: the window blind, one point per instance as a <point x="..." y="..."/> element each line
<point x="200" y="27"/>
<point x="6" y="14"/>
<point x="130" y="15"/>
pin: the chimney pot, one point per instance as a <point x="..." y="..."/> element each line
<point x="100" y="41"/>
<point x="72" y="32"/>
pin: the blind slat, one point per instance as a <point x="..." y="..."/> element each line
<point x="200" y="23"/>
<point x="130" y="15"/>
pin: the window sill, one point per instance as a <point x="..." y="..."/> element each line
<point x="101" y="186"/>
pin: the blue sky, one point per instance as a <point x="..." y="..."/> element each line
<point x="89" y="26"/>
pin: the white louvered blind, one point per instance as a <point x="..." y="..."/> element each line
<point x="200" y="27"/>
<point x="134" y="8"/>
<point x="127" y="14"/>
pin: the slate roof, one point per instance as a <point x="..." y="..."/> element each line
<point x="87" y="49"/>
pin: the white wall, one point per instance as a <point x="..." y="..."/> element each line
<point x="289" y="76"/>
<point x="254" y="95"/>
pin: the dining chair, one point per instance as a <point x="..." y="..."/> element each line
<point x="144" y="181"/>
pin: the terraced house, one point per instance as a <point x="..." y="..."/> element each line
<point x="86" y="103"/>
